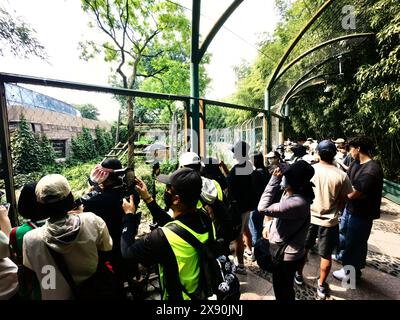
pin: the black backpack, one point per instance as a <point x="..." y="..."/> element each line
<point x="216" y="276"/>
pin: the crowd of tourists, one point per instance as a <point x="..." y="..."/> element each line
<point x="303" y="196"/>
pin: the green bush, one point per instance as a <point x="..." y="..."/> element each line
<point x="47" y="154"/>
<point x="25" y="149"/>
<point x="83" y="146"/>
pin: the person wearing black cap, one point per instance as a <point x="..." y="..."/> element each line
<point x="177" y="259"/>
<point x="106" y="203"/>
<point x="331" y="188"/>
<point x="291" y="219"/>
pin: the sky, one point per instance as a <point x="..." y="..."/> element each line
<point x="61" y="24"/>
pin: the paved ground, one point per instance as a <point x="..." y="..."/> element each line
<point x="380" y="280"/>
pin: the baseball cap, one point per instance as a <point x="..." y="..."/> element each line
<point x="52" y="188"/>
<point x="327" y="146"/>
<point x="189" y="158"/>
<point x="186" y="182"/>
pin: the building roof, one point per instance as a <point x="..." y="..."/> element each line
<point x="17" y="95"/>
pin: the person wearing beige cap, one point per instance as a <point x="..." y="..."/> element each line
<point x="74" y="238"/>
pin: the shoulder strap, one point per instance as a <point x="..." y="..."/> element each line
<point x="186" y="235"/>
<point x="62" y="266"/>
<point x="193" y="241"/>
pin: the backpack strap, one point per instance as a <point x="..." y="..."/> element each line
<point x="194" y="242"/>
<point x="62" y="266"/>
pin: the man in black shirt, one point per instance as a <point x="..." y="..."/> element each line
<point x="362" y="208"/>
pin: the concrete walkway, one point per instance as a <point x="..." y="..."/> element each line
<point x="380" y="279"/>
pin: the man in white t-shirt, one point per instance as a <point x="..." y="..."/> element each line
<point x="331" y="188"/>
<point x="77" y="237"/>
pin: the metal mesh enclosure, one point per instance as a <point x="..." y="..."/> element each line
<point x="340" y="29"/>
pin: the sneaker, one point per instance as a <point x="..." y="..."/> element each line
<point x="240" y="269"/>
<point x="298" y="278"/>
<point x="322" y="291"/>
<point x="339" y="274"/>
<point x="249" y="255"/>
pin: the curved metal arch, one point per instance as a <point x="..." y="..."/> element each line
<point x="321" y="45"/>
<point x="294" y="87"/>
<point x="296" y="40"/>
<point x="324" y="76"/>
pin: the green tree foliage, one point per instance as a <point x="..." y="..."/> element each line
<point x="364" y="101"/>
<point x="88" y="111"/>
<point x="18" y="38"/>
<point x="47" y="154"/>
<point x="101" y="143"/>
<point x="83" y="146"/>
<point x="25" y="149"/>
<point x="142" y="34"/>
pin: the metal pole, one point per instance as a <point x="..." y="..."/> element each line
<point x="6" y="161"/>
<point x="267" y="123"/>
<point x="117" y="132"/>
<point x="194" y="78"/>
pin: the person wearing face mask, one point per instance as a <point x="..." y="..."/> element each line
<point x="177" y="259"/>
<point x="288" y="219"/>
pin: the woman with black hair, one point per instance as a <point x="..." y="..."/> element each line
<point x="291" y="221"/>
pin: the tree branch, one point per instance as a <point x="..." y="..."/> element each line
<point x="148" y="39"/>
<point x="153" y="55"/>
<point x="152" y="74"/>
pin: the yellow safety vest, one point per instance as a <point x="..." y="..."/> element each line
<point x="186" y="258"/>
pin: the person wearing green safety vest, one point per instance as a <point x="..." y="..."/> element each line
<point x="178" y="261"/>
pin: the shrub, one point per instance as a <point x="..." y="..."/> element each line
<point x="25" y="149"/>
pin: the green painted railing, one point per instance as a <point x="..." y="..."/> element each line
<point x="391" y="191"/>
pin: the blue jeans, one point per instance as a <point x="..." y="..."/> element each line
<point x="354" y="232"/>
<point x="255" y="226"/>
